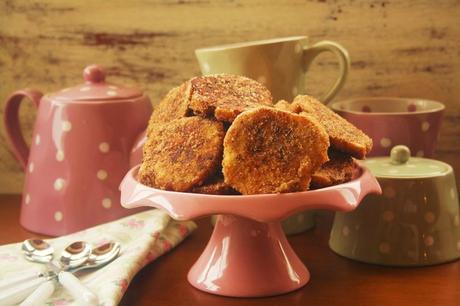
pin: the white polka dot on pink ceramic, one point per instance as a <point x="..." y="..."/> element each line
<point x="37" y="139"/>
<point x="104" y="147"/>
<point x="111" y="93"/>
<point x="59" y="184"/>
<point x="60" y="155"/>
<point x="425" y="126"/>
<point x="102" y="174"/>
<point x="58" y="216"/>
<point x="66" y="126"/>
<point x="27" y="199"/>
<point x="31" y="167"/>
<point x="107" y="203"/>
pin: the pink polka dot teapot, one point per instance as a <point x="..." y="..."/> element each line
<point x="81" y="148"/>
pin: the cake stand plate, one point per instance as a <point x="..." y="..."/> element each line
<point x="248" y="254"/>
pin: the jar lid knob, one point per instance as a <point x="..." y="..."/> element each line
<point x="399" y="154"/>
<point x="94" y="74"/>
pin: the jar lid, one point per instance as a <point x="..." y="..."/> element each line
<point x="401" y="165"/>
<point x="95" y="89"/>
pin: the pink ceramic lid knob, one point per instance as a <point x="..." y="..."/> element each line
<point x="94" y="74"/>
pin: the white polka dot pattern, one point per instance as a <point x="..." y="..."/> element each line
<point x="60" y="155"/>
<point x="27" y="199"/>
<point x="31" y="167"/>
<point x="111" y="93"/>
<point x="106" y="203"/>
<point x="37" y="139"/>
<point x="59" y="184"/>
<point x="102" y="174"/>
<point x="425" y="126"/>
<point x="58" y="216"/>
<point x="104" y="147"/>
<point x="66" y="126"/>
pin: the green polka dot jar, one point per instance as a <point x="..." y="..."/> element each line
<point x="415" y="222"/>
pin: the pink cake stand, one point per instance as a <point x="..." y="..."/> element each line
<point x="248" y="254"/>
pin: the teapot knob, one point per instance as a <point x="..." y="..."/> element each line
<point x="400" y="154"/>
<point x="94" y="74"/>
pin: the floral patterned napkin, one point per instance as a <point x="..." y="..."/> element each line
<point x="143" y="237"/>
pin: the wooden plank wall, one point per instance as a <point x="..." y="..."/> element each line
<point x="398" y="48"/>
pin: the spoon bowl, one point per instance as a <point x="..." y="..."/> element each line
<point x="75" y="255"/>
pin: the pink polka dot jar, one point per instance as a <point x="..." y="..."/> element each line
<point x="395" y="121"/>
<point x="414" y="222"/>
<point x="80" y="151"/>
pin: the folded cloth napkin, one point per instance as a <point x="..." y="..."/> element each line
<point x="143" y="237"/>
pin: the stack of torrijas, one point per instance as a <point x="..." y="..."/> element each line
<point x="221" y="134"/>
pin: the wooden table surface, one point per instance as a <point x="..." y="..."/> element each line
<point x="334" y="280"/>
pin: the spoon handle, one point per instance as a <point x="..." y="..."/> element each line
<point x="40" y="295"/>
<point x="20" y="277"/>
<point x="81" y="294"/>
<point x="15" y="295"/>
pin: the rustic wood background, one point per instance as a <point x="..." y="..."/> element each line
<point x="398" y="48"/>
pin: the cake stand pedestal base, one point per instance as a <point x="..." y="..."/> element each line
<point x="246" y="258"/>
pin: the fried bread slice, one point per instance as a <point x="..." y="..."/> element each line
<point x="173" y="106"/>
<point x="344" y="136"/>
<point x="340" y="168"/>
<point x="225" y="96"/>
<point x="182" y="153"/>
<point x="272" y="151"/>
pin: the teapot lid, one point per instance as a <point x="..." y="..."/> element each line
<point x="400" y="165"/>
<point x="95" y="89"/>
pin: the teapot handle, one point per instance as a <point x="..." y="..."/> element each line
<point x="11" y="120"/>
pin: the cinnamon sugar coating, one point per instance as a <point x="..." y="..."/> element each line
<point x="340" y="168"/>
<point x="344" y="136"/>
<point x="182" y="153"/>
<point x="272" y="151"/>
<point x="225" y="96"/>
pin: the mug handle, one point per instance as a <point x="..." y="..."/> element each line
<point x="309" y="54"/>
<point x="11" y="120"/>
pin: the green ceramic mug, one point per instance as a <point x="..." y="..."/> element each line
<point x="281" y="64"/>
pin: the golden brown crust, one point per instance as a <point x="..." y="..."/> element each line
<point x="182" y="153"/>
<point x="271" y="151"/>
<point x="216" y="185"/>
<point x="225" y="96"/>
<point x="344" y="136"/>
<point x="339" y="169"/>
<point x="173" y="106"/>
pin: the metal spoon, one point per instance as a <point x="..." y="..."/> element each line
<point x="99" y="256"/>
<point x="40" y="251"/>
